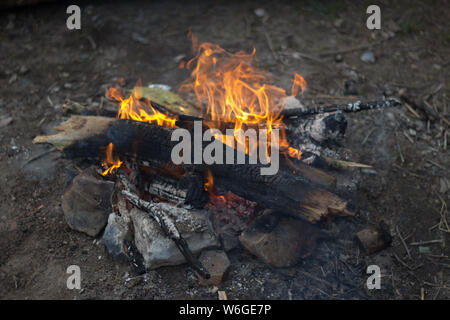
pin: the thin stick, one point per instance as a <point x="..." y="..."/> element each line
<point x="420" y="243"/>
<point x="367" y="136"/>
<point x="270" y="45"/>
<point x="403" y="242"/>
<point x="40" y="155"/>
<point x="399" y="148"/>
<point x="350" y="107"/>
<point x="437" y="165"/>
<point x="362" y="47"/>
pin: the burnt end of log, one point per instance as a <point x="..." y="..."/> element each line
<point x="317" y="129"/>
<point x="131" y="140"/>
<point x="292" y="194"/>
<point x="188" y="189"/>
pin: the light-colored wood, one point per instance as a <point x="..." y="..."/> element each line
<point x="76" y="128"/>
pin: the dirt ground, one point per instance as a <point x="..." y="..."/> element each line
<point x="42" y="63"/>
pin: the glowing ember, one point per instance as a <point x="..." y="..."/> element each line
<point x="114" y="163"/>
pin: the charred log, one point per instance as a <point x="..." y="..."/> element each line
<point x="150" y="144"/>
<point x="351" y="107"/>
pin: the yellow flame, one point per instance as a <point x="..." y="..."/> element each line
<point x="235" y="91"/>
<point x="114" y="163"/>
<point x="136" y="109"/>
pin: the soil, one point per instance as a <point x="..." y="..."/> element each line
<point x="42" y="63"/>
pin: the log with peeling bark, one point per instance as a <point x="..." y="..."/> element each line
<point x="299" y="195"/>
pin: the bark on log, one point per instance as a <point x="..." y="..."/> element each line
<point x="84" y="137"/>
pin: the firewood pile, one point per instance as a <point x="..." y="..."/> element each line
<point x="154" y="211"/>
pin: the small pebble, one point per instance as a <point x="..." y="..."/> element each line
<point x="260" y="12"/>
<point x="368" y="57"/>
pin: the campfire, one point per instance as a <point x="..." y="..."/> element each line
<point x="209" y="170"/>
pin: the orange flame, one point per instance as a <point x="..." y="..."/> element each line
<point x="136" y="109"/>
<point x="298" y="82"/>
<point x="232" y="90"/>
<point x="209" y="181"/>
<point x="235" y="91"/>
<point x="114" y="163"/>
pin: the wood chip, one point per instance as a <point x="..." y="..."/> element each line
<point x="222" y="295"/>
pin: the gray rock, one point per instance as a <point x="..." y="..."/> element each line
<point x="157" y="249"/>
<point x="444" y="185"/>
<point x="86" y="202"/>
<point x="374" y="239"/>
<point x="217" y="264"/>
<point x="117" y="232"/>
<point x="280" y="242"/>
<point x="338" y="58"/>
<point x="291" y="102"/>
<point x="368" y="57"/>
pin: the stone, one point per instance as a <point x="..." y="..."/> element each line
<point x="5" y="121"/>
<point x="157" y="249"/>
<point x="86" y="202"/>
<point x="291" y="102"/>
<point x="374" y="239"/>
<point x="280" y="241"/>
<point x="116" y="235"/>
<point x="217" y="264"/>
<point x="260" y="12"/>
<point x="444" y="185"/>
<point x="368" y="57"/>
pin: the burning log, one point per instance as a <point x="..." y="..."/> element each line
<point x="86" y="137"/>
<point x="351" y="107"/>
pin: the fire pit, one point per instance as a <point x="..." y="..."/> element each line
<point x="235" y="161"/>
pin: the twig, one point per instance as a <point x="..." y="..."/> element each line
<point x="412" y="110"/>
<point x="270" y="45"/>
<point x="399" y="148"/>
<point x="316" y="278"/>
<point x="38" y="156"/>
<point x="367" y="136"/>
<point x="403" y="242"/>
<point x="402" y="262"/>
<point x="408" y="137"/>
<point x="362" y="47"/>
<point x="420" y="243"/>
<point x="425" y="107"/>
<point x="437" y="165"/>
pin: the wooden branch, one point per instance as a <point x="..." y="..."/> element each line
<point x="351" y="107"/>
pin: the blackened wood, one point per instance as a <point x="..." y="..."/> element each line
<point x="187" y="189"/>
<point x="350" y="107"/>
